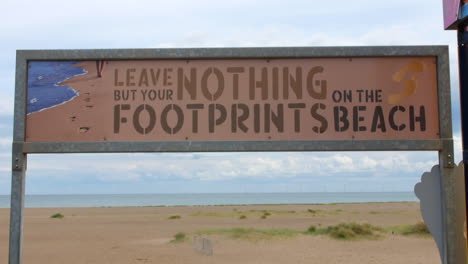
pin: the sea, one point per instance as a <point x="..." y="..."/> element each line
<point x="198" y="199"/>
<point x="44" y="78"/>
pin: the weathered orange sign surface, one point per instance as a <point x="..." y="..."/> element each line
<point x="233" y="99"/>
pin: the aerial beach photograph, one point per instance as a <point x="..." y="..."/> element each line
<point x="232" y="132"/>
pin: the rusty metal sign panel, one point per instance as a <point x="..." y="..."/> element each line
<point x="233" y="99"/>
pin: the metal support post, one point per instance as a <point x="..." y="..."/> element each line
<point x="17" y="203"/>
<point x="447" y="173"/>
<point x="463" y="75"/>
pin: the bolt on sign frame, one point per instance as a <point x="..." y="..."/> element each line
<point x="239" y="100"/>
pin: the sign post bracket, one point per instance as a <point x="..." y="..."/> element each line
<point x="446" y="158"/>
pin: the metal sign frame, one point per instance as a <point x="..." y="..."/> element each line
<point x="444" y="145"/>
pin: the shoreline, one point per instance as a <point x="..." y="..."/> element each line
<point x="211" y="199"/>
<point x="214" y="205"/>
<point x="60" y="83"/>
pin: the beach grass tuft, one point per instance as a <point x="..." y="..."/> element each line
<point x="343" y="231"/>
<point x="251" y="234"/>
<point x="311" y="229"/>
<point x="173" y="217"/>
<point x="57" y="216"/>
<point x="237" y="213"/>
<point x="179" y="237"/>
<point x="242" y="217"/>
<point x="212" y="214"/>
<point x="265" y="215"/>
<point x="418" y="229"/>
<point x="353" y="231"/>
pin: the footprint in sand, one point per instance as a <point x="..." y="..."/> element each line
<point x="73" y="118"/>
<point x="84" y="129"/>
<point x="87" y="99"/>
<point x="89" y="106"/>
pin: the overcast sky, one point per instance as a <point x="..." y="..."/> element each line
<point x="94" y="24"/>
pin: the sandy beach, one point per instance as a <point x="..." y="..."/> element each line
<point x="144" y="234"/>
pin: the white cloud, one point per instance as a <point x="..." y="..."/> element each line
<point x="210" y="23"/>
<point x="368" y="163"/>
<point x="457" y="147"/>
<point x="209" y="167"/>
<point x="5" y="141"/>
<point x="274" y="34"/>
<point x="6" y="105"/>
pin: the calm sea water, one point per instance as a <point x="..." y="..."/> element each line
<point x="208" y="199"/>
<point x="44" y="78"/>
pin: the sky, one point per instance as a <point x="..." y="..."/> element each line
<point x="104" y="24"/>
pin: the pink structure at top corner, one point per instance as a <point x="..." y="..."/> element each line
<point x="451" y="10"/>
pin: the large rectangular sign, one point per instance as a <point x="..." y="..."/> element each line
<point x="232" y="99"/>
<point x="349" y="98"/>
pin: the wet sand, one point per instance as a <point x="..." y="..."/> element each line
<point x="143" y="235"/>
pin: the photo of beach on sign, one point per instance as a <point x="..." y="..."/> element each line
<point x="62" y="100"/>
